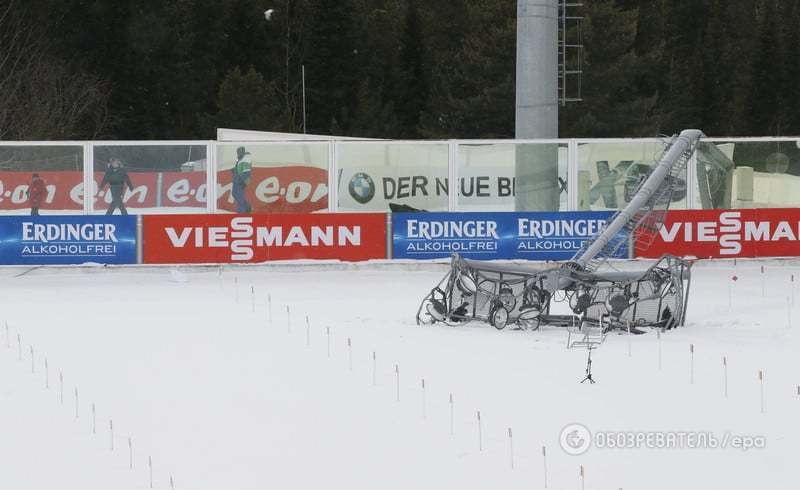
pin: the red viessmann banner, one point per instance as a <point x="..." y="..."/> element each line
<point x="193" y="239"/>
<point x="729" y="233"/>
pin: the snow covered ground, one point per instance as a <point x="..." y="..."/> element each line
<point x="220" y="397"/>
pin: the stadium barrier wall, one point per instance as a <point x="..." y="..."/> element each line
<point x="736" y="233"/>
<point x="489" y="236"/>
<point x="64" y="240"/>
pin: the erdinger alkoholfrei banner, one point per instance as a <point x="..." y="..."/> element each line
<point x="728" y="234"/>
<point x="186" y="239"/>
<point x="48" y="240"/>
<point x="531" y="236"/>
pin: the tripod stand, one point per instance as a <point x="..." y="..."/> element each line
<point x="589" y="367"/>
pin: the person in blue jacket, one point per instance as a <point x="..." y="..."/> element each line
<point x="242" y="171"/>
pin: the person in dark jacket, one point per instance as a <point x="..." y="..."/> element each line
<point x="36" y="192"/>
<point x="116" y="178"/>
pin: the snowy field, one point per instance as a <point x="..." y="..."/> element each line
<point x="219" y="397"/>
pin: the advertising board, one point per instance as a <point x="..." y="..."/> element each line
<point x="529" y="236"/>
<point x="46" y="240"/>
<point x="179" y="239"/>
<point x="728" y="234"/>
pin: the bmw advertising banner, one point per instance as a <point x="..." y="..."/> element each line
<point x="48" y="240"/>
<point x="487" y="236"/>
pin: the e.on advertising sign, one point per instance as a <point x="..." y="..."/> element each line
<point x="173" y="239"/>
<point x="729" y="233"/>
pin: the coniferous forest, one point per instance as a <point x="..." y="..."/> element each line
<point x="178" y="69"/>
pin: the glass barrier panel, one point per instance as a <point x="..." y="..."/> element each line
<point x="150" y="179"/>
<point x="272" y="178"/>
<point x="512" y="177"/>
<point x="380" y="177"/>
<point x="41" y="179"/>
<point x="748" y="174"/>
<point x="610" y="172"/>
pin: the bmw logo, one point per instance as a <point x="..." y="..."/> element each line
<point x="362" y="188"/>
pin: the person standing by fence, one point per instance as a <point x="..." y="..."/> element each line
<point x="36" y="193"/>
<point x="116" y="178"/>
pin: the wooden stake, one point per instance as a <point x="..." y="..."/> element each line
<point x="544" y="460"/>
<point x="349" y="354"/>
<point x="629" y="338"/>
<point x="374" y="368"/>
<point x="480" y="433"/>
<point x="658" y="337"/>
<point x="397" y="380"/>
<point x="511" y="447"/>
<point x="451" y="413"/>
<point x="725" y="374"/>
<point x="424" y="409"/>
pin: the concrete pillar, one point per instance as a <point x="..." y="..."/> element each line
<point x="537" y="104"/>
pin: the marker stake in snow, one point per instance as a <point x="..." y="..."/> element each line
<point x="544" y="460"/>
<point x="397" y="380"/>
<point x="8" y="339"/>
<point x="763" y="283"/>
<point x="76" y="403"/>
<point x="19" y="347"/>
<point x="349" y="354"/>
<point x="269" y="309"/>
<point x="480" y="433"/>
<point x="761" y="386"/>
<point x="236" y="287"/>
<point x="374" y="368"/>
<point x="94" y="419"/>
<point x="150" y="466"/>
<point x="130" y="453"/>
<point x="61" y="385"/>
<point x="629" y="339"/>
<point x="308" y="332"/>
<point x="424" y="409"/>
<point x="583" y="479"/>
<point x="725" y="374"/>
<point x="253" y="298"/>
<point x="658" y="338"/>
<point x="789" y="310"/>
<point x="328" y="334"/>
<point x="33" y="363"/>
<point x="46" y="375"/>
<point x="111" y="433"/>
<point x="691" y="364"/>
<point x="171" y="483"/>
<point x="511" y="447"/>
<point x="288" y="319"/>
<point x="792" y="280"/>
<point x="451" y="415"/>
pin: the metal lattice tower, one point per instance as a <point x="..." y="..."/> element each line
<point x="570" y="52"/>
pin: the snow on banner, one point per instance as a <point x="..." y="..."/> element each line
<point x="171" y="239"/>
<point x="729" y="234"/>
<point x="46" y="240"/>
